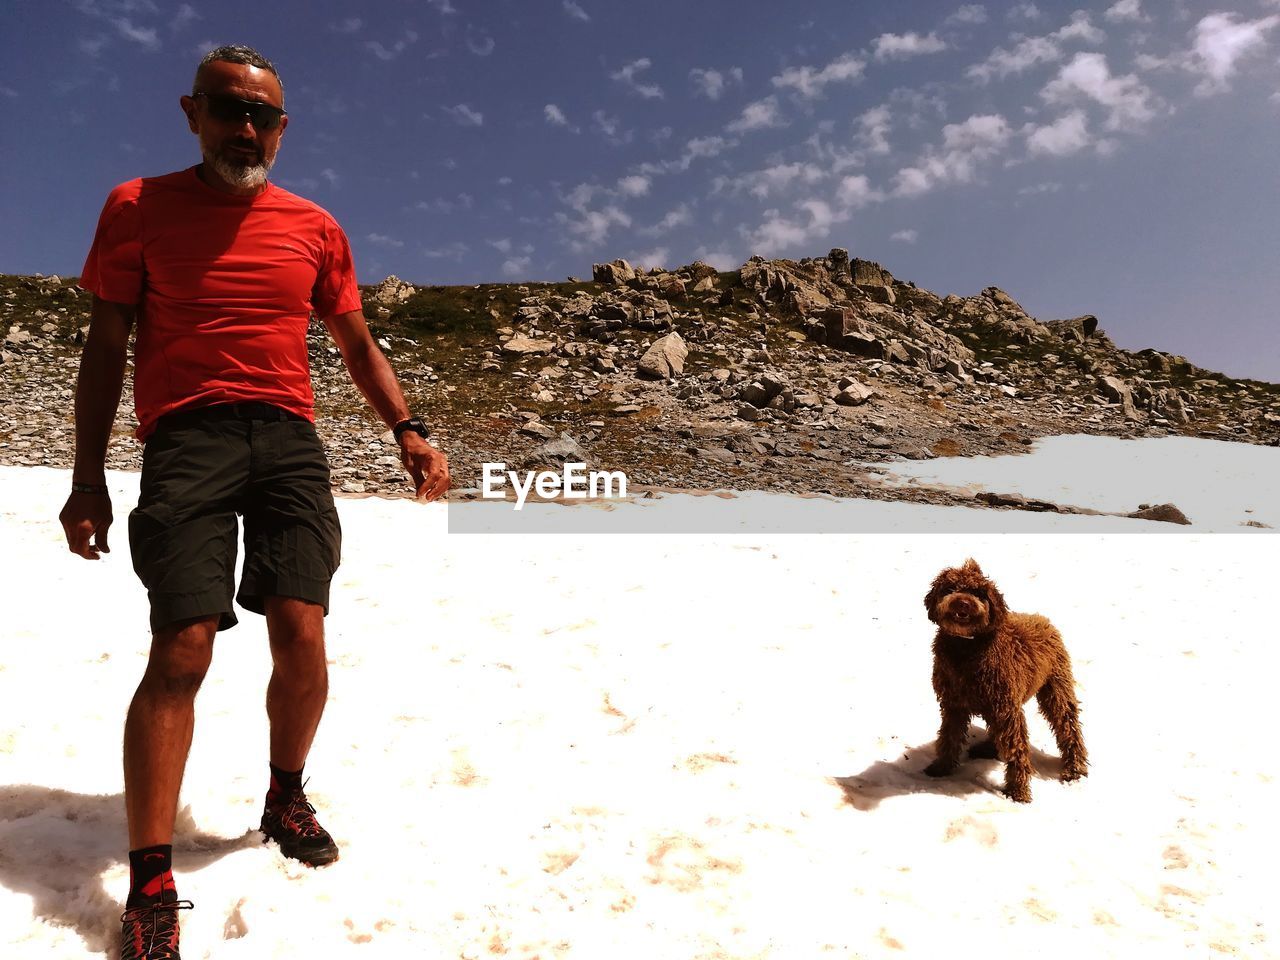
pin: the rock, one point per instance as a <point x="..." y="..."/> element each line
<point x="604" y="365"/>
<point x="614" y="273"/>
<point x="536" y="428"/>
<point x="869" y="274"/>
<point x="1017" y="500"/>
<point x="522" y="346"/>
<point x="852" y="393"/>
<point x="706" y="283"/>
<point x="1117" y="391"/>
<point x="748" y="412"/>
<point x="838" y="264"/>
<point x="664" y="358"/>
<point x="563" y="449"/>
<point x="1000" y="298"/>
<point x="1163" y="512"/>
<point x="392" y="291"/>
<point x="1078" y="329"/>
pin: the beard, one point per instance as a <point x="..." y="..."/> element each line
<point x="236" y="171"/>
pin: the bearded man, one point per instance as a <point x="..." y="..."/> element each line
<point x="220" y="271"/>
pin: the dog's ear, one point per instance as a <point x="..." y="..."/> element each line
<point x="940" y="588"/>
<point x="971" y="567"/>
<point x="995" y="603"/>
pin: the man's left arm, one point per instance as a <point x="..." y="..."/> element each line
<point x="371" y="372"/>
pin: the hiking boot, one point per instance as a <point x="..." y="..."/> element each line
<point x="290" y="821"/>
<point x="151" y="932"/>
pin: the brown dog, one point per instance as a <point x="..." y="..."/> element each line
<point x="989" y="662"/>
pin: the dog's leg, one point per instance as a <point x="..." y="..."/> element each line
<point x="951" y="736"/>
<point x="1058" y="704"/>
<point x="1009" y="731"/>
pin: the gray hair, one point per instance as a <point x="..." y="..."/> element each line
<point x="237" y="53"/>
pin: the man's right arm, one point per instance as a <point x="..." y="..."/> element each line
<point x="87" y="516"/>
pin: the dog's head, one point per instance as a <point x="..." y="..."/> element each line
<point x="964" y="603"/>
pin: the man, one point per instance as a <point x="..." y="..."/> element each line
<point x="220" y="270"/>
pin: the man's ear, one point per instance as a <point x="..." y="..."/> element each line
<point x="284" y="122"/>
<point x="188" y="105"/>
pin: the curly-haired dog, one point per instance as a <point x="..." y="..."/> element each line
<point x="989" y="662"/>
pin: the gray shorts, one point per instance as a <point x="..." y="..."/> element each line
<point x="200" y="469"/>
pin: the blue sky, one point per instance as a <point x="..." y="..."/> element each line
<point x="1119" y="158"/>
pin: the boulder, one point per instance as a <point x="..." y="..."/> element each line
<point x="664" y="358"/>
<point x="615" y="273"/>
<point x="392" y="291"/>
<point x="1163" y="512"/>
<point x="526" y="346"/>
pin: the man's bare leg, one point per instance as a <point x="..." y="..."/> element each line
<point x="299" y="683"/>
<point x="157" y="731"/>
<point x="296" y="697"/>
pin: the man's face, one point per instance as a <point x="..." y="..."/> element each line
<point x="236" y="153"/>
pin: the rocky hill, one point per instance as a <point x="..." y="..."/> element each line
<point x="785" y="375"/>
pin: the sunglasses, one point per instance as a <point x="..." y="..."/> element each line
<point x="231" y="109"/>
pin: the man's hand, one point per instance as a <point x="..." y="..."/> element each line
<point x="427" y="465"/>
<point x="85" y="520"/>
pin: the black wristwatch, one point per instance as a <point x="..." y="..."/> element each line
<point x="413" y="423"/>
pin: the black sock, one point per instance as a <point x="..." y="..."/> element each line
<point x="283" y="782"/>
<point x="151" y="875"/>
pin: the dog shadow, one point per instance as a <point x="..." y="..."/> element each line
<point x="55" y="845"/>
<point x="896" y="778"/>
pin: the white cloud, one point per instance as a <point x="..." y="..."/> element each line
<point x="720" y="259"/>
<point x="1125" y="10"/>
<point x="401" y="44"/>
<point x="634" y="186"/>
<point x="611" y="127"/>
<point x="331" y="176"/>
<point x="771" y="180"/>
<point x="1038" y="188"/>
<point x="463" y="201"/>
<point x="464" y="116"/>
<point x="453" y="251"/>
<point x="1129" y="101"/>
<point x="505" y="181"/>
<point x="444" y="6"/>
<point x="1032" y="51"/>
<point x="969" y="13"/>
<point x="964" y="147"/>
<point x="904" y="236"/>
<point x="1221" y="41"/>
<point x="873" y="130"/>
<point x="575" y="12"/>
<point x="92" y="46"/>
<point x="146" y="36"/>
<point x="657" y="257"/>
<point x="810" y="83"/>
<point x="892" y="46"/>
<point x="856" y="191"/>
<point x="516" y="266"/>
<point x="9" y="92"/>
<point x="757" y="116"/>
<point x="555" y="116"/>
<point x="1067" y="135"/>
<point x="1024" y="11"/>
<point x="627" y="76"/>
<point x="382" y="240"/>
<point x="681" y="216"/>
<point x="184" y="15"/>
<point x="478" y="43"/>
<point x="349" y="25"/>
<point x="591" y="227"/>
<point x="502" y="246"/>
<point x="712" y="83"/>
<point x="778" y="233"/>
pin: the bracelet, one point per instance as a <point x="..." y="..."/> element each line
<point x="96" y="488"/>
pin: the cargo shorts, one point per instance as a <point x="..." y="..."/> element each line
<point x="200" y="470"/>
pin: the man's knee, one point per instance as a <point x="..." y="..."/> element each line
<point x="180" y="657"/>
<point x="294" y="627"/>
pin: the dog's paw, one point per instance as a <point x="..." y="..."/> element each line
<point x="1018" y="792"/>
<point x="986" y="750"/>
<point x="939" y="768"/>
<point x="1071" y="774"/>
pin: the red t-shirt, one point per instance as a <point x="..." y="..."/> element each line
<point x="224" y="287"/>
